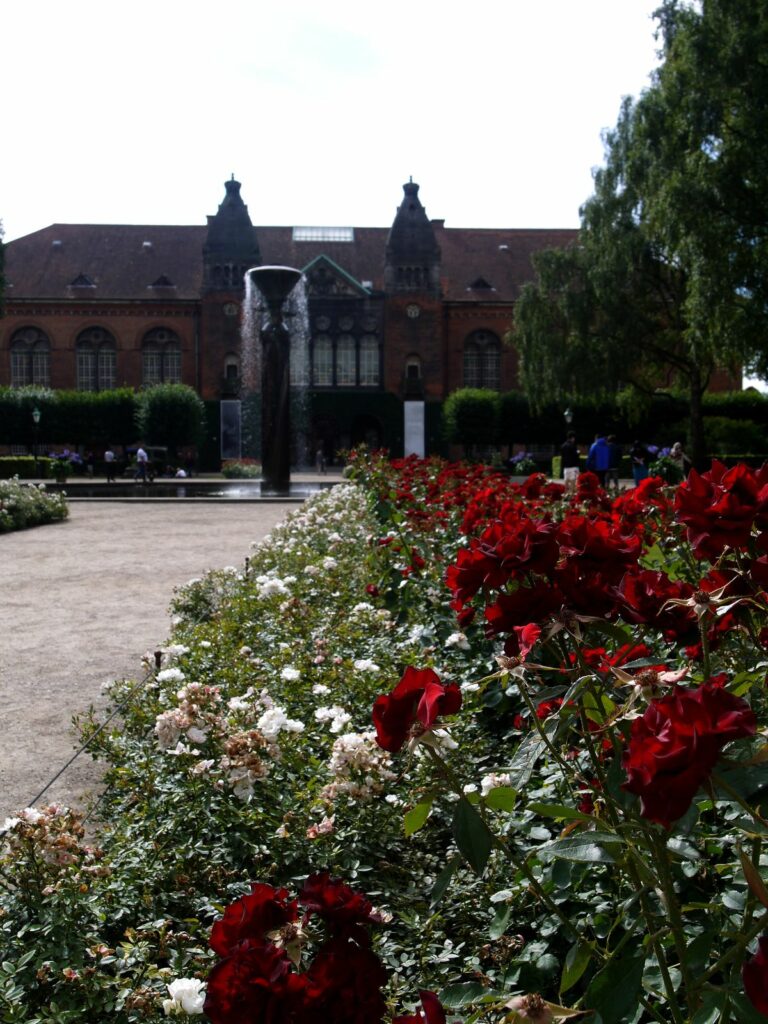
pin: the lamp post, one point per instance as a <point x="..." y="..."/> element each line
<point x="568" y="416"/>
<point x="36" y="425"/>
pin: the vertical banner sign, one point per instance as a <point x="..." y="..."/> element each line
<point x="414" y="428"/>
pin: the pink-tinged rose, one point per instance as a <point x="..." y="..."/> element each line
<point x="432" y="1012"/>
<point x="754" y="974"/>
<point x="675" y="745"/>
<point x="413" y="707"/>
<point x="264" y="910"/>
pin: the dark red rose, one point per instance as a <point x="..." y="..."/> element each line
<point x="255" y="983"/>
<point x="754" y="974"/>
<point x="264" y="910"/>
<point x="338" y="905"/>
<point x="597" y="546"/>
<point x="527" y="638"/>
<point x="675" y="745"/>
<point x="525" y="605"/>
<point x="344" y="985"/>
<point x="433" y="1012"/>
<point x="645" y="597"/>
<point x="719" y="508"/>
<point x="418" y="700"/>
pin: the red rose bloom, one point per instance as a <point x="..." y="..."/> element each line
<point x="255" y="983"/>
<point x="251" y="917"/>
<point x="754" y="974"/>
<point x="675" y="745"/>
<point x="720" y="507"/>
<point x="338" y="905"/>
<point x="433" y="1012"/>
<point x="343" y="985"/>
<point x="418" y="700"/>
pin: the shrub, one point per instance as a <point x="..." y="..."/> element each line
<point x="241" y="470"/>
<point x="25" y="505"/>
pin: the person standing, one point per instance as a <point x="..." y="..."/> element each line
<point x="142" y="461"/>
<point x="614" y="462"/>
<point x="109" y="462"/>
<point x="638" y="454"/>
<point x="570" y="462"/>
<point x="598" y="458"/>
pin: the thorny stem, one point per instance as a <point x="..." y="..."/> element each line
<point x="737" y="949"/>
<point x="675" y="918"/>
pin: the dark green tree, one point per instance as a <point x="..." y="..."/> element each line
<point x="667" y="280"/>
<point x="2" y="270"/>
<point x="172" y="415"/>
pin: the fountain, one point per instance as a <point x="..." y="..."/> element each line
<point x="275" y="284"/>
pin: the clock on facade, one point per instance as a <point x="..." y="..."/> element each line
<point x="412" y="310"/>
<point x="231" y="309"/>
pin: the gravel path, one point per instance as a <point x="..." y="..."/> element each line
<point x="80" y="603"/>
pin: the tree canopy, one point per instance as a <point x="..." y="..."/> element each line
<point x="668" y="279"/>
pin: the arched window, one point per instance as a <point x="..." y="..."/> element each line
<point x="346" y="371"/>
<point x="369" y="361"/>
<point x="30" y="358"/>
<point x="322" y="361"/>
<point x="161" y="357"/>
<point x="482" y="361"/>
<point x="96" y="360"/>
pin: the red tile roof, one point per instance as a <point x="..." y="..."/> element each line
<point x="124" y="260"/>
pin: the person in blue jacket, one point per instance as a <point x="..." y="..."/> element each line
<point x="599" y="458"/>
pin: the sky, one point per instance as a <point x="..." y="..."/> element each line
<point x="136" y="113"/>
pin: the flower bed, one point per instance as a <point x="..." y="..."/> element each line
<point x="445" y="734"/>
<point x="23" y="505"/>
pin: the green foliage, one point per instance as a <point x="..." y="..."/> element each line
<point x="667" y="281"/>
<point x="241" y="470"/>
<point x="171" y="415"/>
<point x="472" y="416"/>
<point x="88" y="418"/>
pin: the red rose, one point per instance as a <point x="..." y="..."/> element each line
<point x="754" y="974"/>
<point x="255" y="983"/>
<point x="265" y="910"/>
<point x="343" y="986"/>
<point x="433" y="1012"/>
<point x="720" y="507"/>
<point x="675" y="745"/>
<point x="338" y="904"/>
<point x="418" y="700"/>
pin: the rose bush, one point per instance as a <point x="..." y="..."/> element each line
<point x="561" y="816"/>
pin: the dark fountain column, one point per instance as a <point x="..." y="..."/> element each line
<point x="275" y="285"/>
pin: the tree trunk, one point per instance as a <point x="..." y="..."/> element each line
<point x="696" y="449"/>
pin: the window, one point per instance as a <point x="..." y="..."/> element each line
<point x="482" y="361"/>
<point x="369" y="361"/>
<point x="96" y="360"/>
<point x="30" y="358"/>
<point x="346" y="371"/>
<point x="161" y="357"/>
<point x="323" y="234"/>
<point x="322" y="361"/>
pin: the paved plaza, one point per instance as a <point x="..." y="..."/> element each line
<point x="81" y="602"/>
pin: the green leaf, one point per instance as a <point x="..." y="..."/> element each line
<point x="576" y="962"/>
<point x="501" y="798"/>
<point x="524" y="761"/>
<point x="588" y="847"/>
<point x="415" y="818"/>
<point x="455" y="996"/>
<point x="500" y="921"/>
<point x="472" y="836"/>
<point x="443" y="880"/>
<point x="614" y="991"/>
<point x="557" y="811"/>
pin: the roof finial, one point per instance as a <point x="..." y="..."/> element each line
<point x="233" y="176"/>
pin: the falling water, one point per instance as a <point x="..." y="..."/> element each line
<point x="255" y="318"/>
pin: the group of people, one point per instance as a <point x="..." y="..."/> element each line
<point x="604" y="460"/>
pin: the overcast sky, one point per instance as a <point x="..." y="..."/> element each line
<point x="137" y="113"/>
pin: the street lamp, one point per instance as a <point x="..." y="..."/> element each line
<point x="36" y="424"/>
<point x="568" y="416"/>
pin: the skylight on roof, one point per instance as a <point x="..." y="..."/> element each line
<point x="323" y="234"/>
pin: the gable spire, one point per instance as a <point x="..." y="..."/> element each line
<point x="412" y="255"/>
<point x="231" y="246"/>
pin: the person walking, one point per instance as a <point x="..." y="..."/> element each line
<point x="142" y="461"/>
<point x="570" y="462"/>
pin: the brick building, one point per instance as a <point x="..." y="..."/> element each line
<point x="398" y="317"/>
